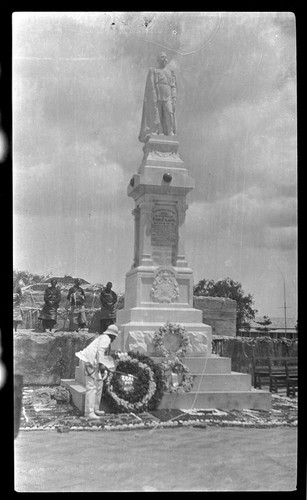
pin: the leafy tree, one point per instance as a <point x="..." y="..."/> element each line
<point x="228" y="288"/>
<point x="265" y="323"/>
<point x="28" y="278"/>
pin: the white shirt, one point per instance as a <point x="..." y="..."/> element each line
<point x="94" y="353"/>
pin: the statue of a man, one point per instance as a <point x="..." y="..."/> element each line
<point x="159" y="105"/>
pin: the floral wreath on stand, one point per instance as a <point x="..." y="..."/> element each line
<point x="135" y="386"/>
<point x="173" y="367"/>
<point x="171" y="381"/>
<point x="174" y="329"/>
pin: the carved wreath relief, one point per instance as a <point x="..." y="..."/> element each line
<point x="165" y="287"/>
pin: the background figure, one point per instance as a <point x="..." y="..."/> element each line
<point x="76" y="298"/>
<point x="52" y="298"/>
<point x="108" y="300"/>
<point x="158" y="116"/>
<point x="95" y="362"/>
<point x="17" y="296"/>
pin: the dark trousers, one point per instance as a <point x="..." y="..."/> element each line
<point x="48" y="324"/>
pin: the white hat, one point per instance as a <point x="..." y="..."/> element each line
<point x="112" y="330"/>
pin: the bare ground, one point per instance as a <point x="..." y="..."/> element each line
<point x="177" y="459"/>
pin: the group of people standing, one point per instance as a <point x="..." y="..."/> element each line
<point x="75" y="306"/>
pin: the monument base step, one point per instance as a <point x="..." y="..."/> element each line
<point x="233" y="381"/>
<point x="77" y="392"/>
<point x="254" y="399"/>
<point x="230" y="400"/>
<point x="197" y="363"/>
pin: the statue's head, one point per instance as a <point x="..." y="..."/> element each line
<point x="77" y="281"/>
<point x="109" y="285"/>
<point x="53" y="282"/>
<point x="162" y="59"/>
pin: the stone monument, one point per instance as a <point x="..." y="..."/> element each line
<point x="159" y="285"/>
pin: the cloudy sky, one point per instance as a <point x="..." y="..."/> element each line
<point x="78" y="87"/>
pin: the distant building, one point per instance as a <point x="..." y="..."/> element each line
<point x="275" y="330"/>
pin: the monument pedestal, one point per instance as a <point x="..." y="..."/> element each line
<point x="159" y="286"/>
<point x="214" y="386"/>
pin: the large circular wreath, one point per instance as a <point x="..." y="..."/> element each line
<point x="138" y="391"/>
<point x="174" y="329"/>
<point x="176" y="367"/>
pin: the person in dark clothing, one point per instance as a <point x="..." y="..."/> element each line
<point x="17" y="296"/>
<point x="76" y="298"/>
<point x="52" y="298"/>
<point x="108" y="300"/>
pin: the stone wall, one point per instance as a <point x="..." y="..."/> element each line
<point x="219" y="313"/>
<point x="45" y="358"/>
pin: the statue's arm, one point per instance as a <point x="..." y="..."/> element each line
<point x="151" y="93"/>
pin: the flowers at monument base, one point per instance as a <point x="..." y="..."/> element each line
<point x="64" y="417"/>
<point x="136" y="385"/>
<point x="171" y="329"/>
<point x="177" y="376"/>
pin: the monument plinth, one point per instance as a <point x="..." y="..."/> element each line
<point x="159" y="285"/>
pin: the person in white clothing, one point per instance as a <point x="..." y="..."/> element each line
<point x="96" y="362"/>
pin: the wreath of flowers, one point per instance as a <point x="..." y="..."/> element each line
<point x="175" y="329"/>
<point x="176" y="366"/>
<point x="146" y="391"/>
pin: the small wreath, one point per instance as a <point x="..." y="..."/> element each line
<point x="139" y="386"/>
<point x="174" y="329"/>
<point x="176" y="367"/>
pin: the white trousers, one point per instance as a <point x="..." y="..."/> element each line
<point x="93" y="386"/>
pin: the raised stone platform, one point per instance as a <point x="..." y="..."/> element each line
<point x="215" y="386"/>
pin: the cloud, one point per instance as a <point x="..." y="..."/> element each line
<point x="82" y="184"/>
<point x="245" y="220"/>
<point x="94" y="246"/>
<point x="245" y="144"/>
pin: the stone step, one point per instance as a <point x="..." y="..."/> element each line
<point x="230" y="400"/>
<point x="222" y="382"/>
<point x="151" y="318"/>
<point x="212" y="365"/>
<point x="197" y="364"/>
<point x="254" y="399"/>
<point x="77" y="392"/>
<point x="209" y="381"/>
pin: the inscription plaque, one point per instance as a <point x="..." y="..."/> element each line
<point x="164" y="227"/>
